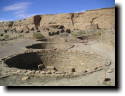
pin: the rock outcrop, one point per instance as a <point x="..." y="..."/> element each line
<point x="93" y="19"/>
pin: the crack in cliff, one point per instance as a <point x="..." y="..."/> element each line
<point x="37" y="20"/>
<point x="94" y="18"/>
<point x="72" y="18"/>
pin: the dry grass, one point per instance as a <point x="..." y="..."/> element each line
<point x="38" y="36"/>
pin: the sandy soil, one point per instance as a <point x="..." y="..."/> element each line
<point x="91" y="79"/>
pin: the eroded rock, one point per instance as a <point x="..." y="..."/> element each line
<point x="96" y="19"/>
<point x="25" y="78"/>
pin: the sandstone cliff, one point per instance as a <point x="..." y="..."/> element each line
<point x="92" y="19"/>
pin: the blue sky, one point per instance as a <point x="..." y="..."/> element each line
<point x="19" y="9"/>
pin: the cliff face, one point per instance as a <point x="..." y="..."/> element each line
<point x="93" y="19"/>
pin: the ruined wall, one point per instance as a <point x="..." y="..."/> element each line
<point x="101" y="18"/>
<point x="105" y="18"/>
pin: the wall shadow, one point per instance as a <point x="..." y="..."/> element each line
<point x="25" y="61"/>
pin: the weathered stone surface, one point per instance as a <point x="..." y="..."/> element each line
<point x="110" y="70"/>
<point x="37" y="72"/>
<point x="93" y="19"/>
<point x="41" y="66"/>
<point x="28" y="72"/>
<point x="25" y="78"/>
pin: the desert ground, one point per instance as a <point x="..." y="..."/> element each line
<point x="72" y="49"/>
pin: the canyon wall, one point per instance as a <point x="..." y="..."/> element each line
<point x="92" y="19"/>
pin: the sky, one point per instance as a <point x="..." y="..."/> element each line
<point x="20" y="9"/>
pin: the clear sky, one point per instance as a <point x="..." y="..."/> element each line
<point x="19" y="9"/>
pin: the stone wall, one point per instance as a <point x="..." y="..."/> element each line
<point x="100" y="18"/>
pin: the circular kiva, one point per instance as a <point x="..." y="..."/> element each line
<point x="61" y="60"/>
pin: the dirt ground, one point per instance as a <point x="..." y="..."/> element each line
<point x="10" y="76"/>
<point x="72" y="49"/>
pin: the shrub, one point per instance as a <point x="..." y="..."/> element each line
<point x="78" y="33"/>
<point x="6" y="37"/>
<point x="38" y="36"/>
<point x="1" y="34"/>
<point x="21" y="35"/>
<point x="87" y="32"/>
<point x="5" y="31"/>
